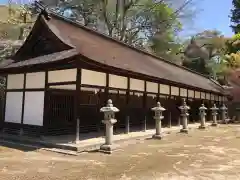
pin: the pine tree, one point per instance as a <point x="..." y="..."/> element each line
<point x="235" y="16"/>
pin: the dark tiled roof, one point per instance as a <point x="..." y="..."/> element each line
<point x="43" y="59"/>
<point x="6" y="62"/>
<point x="108" y="51"/>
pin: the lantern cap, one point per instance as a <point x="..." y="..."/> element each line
<point x="223" y="107"/>
<point x="184" y="106"/>
<point x="202" y="107"/>
<point x="109" y="107"/>
<point x="158" y="107"/>
<point x="214" y="107"/>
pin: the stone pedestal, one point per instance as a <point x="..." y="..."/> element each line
<point x="214" y="115"/>
<point x="109" y="120"/>
<point x="158" y="120"/>
<point x="184" y="115"/>
<point x="158" y="134"/>
<point x="108" y="147"/>
<point x="202" y="114"/>
<point x="184" y="124"/>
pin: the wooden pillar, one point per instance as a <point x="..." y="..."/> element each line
<point x="46" y="106"/>
<point x="127" y="106"/>
<point x="158" y="94"/>
<point x="23" y="105"/>
<point x="145" y="106"/>
<point x="107" y="89"/>
<point x="76" y="103"/>
<point x="5" y="101"/>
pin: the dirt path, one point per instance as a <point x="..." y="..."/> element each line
<point x="210" y="154"/>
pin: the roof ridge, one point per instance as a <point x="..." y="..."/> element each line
<point x="51" y="12"/>
<point x="216" y="82"/>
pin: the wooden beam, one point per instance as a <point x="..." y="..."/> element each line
<point x="23" y="99"/>
<point x="45" y="108"/>
<point x="76" y="102"/>
<point x="61" y="83"/>
<point x="5" y="100"/>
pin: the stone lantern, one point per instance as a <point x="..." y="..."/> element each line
<point x="214" y="110"/>
<point x="158" y="118"/>
<point x="109" y="120"/>
<point x="202" y="113"/>
<point x="184" y="115"/>
<point x="223" y="110"/>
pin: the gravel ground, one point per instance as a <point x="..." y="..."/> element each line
<point x="213" y="153"/>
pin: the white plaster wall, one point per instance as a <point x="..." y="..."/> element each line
<point x="183" y="92"/>
<point x="225" y="98"/>
<point x="219" y="98"/>
<point x="118" y="81"/>
<point x="33" y="109"/>
<point x="13" y="107"/>
<point x="208" y="96"/>
<point x="122" y="92"/>
<point x="15" y="81"/>
<point x="136" y="84"/>
<point x="152" y="87"/>
<point x="197" y="94"/>
<point x="35" y="80"/>
<point x="91" y="89"/>
<point x="112" y="91"/>
<point x="191" y="93"/>
<point x="202" y="95"/>
<point x="174" y="91"/>
<point x="93" y="78"/>
<point x="212" y="97"/>
<point x="62" y="75"/>
<point x="164" y="89"/>
<point x="67" y="87"/>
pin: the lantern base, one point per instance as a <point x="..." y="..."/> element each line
<point x="214" y="124"/>
<point x="202" y="127"/>
<point x="184" y="131"/>
<point x="107" y="149"/>
<point x="155" y="136"/>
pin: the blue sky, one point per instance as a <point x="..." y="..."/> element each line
<point x="213" y="14"/>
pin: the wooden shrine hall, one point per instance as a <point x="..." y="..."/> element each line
<point x="65" y="71"/>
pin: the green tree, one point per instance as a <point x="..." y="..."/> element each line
<point x="235" y="16"/>
<point x="233" y="44"/>
<point x="15" y="25"/>
<point x="148" y="24"/>
<point x="204" y="52"/>
<point x="19" y="18"/>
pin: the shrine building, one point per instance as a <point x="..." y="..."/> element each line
<point x="65" y="71"/>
